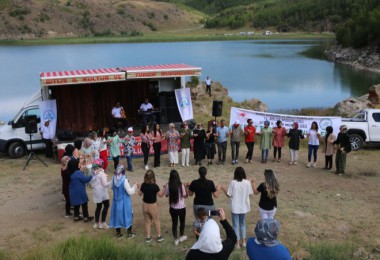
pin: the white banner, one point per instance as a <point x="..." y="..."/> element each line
<point x="184" y="104"/>
<point x="48" y="110"/>
<point x="304" y="122"/>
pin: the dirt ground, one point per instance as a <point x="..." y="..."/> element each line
<point x="313" y="205"/>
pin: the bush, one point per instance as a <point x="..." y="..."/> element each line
<point x="19" y="12"/>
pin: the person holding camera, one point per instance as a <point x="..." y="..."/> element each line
<point x="210" y="244"/>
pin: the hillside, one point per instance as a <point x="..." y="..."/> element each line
<point x="28" y="19"/>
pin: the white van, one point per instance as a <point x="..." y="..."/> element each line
<point x="13" y="137"/>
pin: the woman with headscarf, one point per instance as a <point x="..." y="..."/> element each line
<point x="295" y="135"/>
<point x="265" y="245"/>
<point x="199" y="136"/>
<point x="121" y="210"/>
<point x="343" y="146"/>
<point x="265" y="141"/>
<point x="210" y="244"/>
<point x="77" y="190"/>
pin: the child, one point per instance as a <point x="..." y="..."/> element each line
<point x="269" y="191"/>
<point x="128" y="148"/>
<point x="121" y="210"/>
<point x="150" y="190"/>
<point x="199" y="222"/>
<point x="176" y="191"/>
<point x="100" y="186"/>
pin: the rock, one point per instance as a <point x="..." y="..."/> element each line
<point x="255" y="104"/>
<point x="373" y="95"/>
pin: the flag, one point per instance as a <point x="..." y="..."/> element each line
<point x="184" y="104"/>
<point x="48" y="110"/>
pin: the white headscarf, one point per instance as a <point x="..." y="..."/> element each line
<point x="209" y="241"/>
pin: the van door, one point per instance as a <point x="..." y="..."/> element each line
<point x="374" y="127"/>
<point x="19" y="128"/>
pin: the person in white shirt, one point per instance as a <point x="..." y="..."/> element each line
<point x="208" y="86"/>
<point x="118" y="115"/>
<point x="47" y="137"/>
<point x="239" y="191"/>
<point x="146" y="110"/>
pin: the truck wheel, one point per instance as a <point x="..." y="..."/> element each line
<point x="356" y="142"/>
<point x="16" y="150"/>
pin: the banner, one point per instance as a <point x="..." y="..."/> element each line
<point x="304" y="122"/>
<point x="184" y="104"/>
<point x="48" y="110"/>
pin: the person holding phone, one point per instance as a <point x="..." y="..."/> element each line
<point x="210" y="244"/>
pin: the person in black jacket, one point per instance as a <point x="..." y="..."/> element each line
<point x="343" y="146"/>
<point x="210" y="245"/>
<point x="294" y="135"/>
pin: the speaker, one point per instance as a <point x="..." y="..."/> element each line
<point x="31" y="125"/>
<point x="217" y="108"/>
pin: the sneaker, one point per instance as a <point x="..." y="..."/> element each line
<point x="314" y="164"/>
<point x="131" y="235"/>
<point x="148" y="240"/>
<point x="246" y="160"/>
<point x="96" y="225"/>
<point x="233" y="162"/>
<point x="188" y="165"/>
<point x="244" y="244"/>
<point x="78" y="219"/>
<point x="104" y="226"/>
<point x="236" y="161"/>
<point x="160" y="239"/>
<point x="176" y="242"/>
<point x="146" y="167"/>
<point x="250" y="161"/>
<point x="69" y="215"/>
<point x="237" y="246"/>
<point x="119" y="235"/>
<point x="294" y="163"/>
<point x="89" y="219"/>
<point x="290" y="163"/>
<point x="308" y="165"/>
<point x="182" y="239"/>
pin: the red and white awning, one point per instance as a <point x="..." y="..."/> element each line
<point x="117" y="74"/>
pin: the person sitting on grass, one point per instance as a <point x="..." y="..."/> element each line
<point x="210" y="244"/>
<point x="121" y="210"/>
<point x="200" y="222"/>
<point x="265" y="245"/>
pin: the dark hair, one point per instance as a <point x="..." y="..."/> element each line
<point x="100" y="133"/>
<point x="239" y="174"/>
<point x="155" y="130"/>
<point x="278" y="123"/>
<point x="201" y="212"/>
<point x="143" y="129"/>
<point x="69" y="149"/>
<point x="249" y="119"/>
<point x="329" y="130"/>
<point x="78" y="144"/>
<point x="73" y="165"/>
<point x="316" y="125"/>
<point x="175" y="187"/>
<point x="202" y="174"/>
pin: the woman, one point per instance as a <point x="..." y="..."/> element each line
<point x="210" y="244"/>
<point x="239" y="191"/>
<point x="157" y="137"/>
<point x="65" y="174"/>
<point x="265" y="245"/>
<point x="185" y="133"/>
<point x="329" y="139"/>
<point x="295" y="135"/>
<point x="279" y="133"/>
<point x="269" y="191"/>
<point x="204" y="190"/>
<point x="102" y="139"/>
<point x="121" y="210"/>
<point x="77" y="190"/>
<point x="145" y="144"/>
<point x="149" y="189"/>
<point x="265" y="144"/>
<point x="313" y="144"/>
<point x="95" y="145"/>
<point x="172" y="136"/>
<point x="176" y="191"/>
<point x="199" y="135"/>
<point x="210" y="144"/>
<point x="114" y="142"/>
<point x="343" y="146"/>
<point x="88" y="154"/>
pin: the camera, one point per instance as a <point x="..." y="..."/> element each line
<point x="213" y="213"/>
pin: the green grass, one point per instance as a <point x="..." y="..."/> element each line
<point x="331" y="251"/>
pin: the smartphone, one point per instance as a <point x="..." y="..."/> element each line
<point x="213" y="213"/>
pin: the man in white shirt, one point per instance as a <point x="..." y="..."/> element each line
<point x="208" y="86"/>
<point x="47" y="137"/>
<point x="146" y="109"/>
<point x="117" y="115"/>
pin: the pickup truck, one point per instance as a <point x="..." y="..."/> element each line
<point x="363" y="128"/>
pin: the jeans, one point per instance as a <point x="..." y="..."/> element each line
<point x="235" y="150"/>
<point x="105" y="204"/>
<point x="175" y="214"/>
<point x="250" y="146"/>
<point x="145" y="150"/>
<point x="312" y="149"/>
<point x="222" y="149"/>
<point x="238" y="223"/>
<point x="264" y="154"/>
<point x="129" y="162"/>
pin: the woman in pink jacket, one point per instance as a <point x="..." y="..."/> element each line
<point x="279" y="133"/>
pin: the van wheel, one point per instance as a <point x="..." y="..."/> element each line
<point x="16" y="150"/>
<point x="356" y="142"/>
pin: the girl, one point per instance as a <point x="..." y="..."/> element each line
<point x="279" y="133"/>
<point x="176" y="191"/>
<point x="313" y="144"/>
<point x="121" y="210"/>
<point x="102" y="139"/>
<point x="269" y="191"/>
<point x="149" y="189"/>
<point x="114" y="141"/>
<point x="210" y="144"/>
<point x="294" y="143"/>
<point x="145" y="144"/>
<point x="239" y="191"/>
<point x="100" y="186"/>
<point x="329" y="147"/>
<point x="157" y="137"/>
<point x="77" y="190"/>
<point x="265" y="144"/>
<point x="172" y="136"/>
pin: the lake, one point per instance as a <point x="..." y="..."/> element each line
<point x="284" y="74"/>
